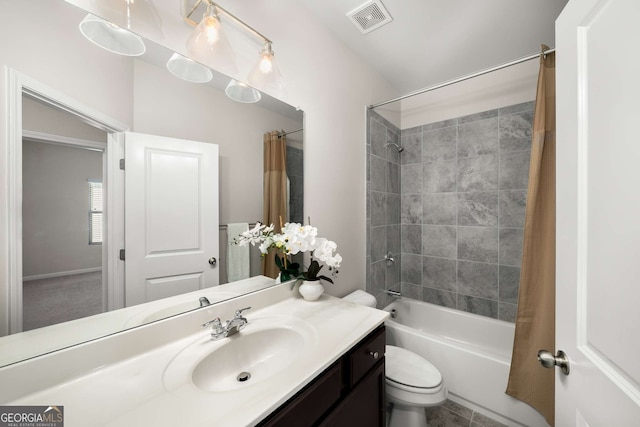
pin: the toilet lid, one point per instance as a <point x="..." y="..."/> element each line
<point x="407" y="368"/>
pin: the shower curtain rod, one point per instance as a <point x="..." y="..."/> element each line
<point x="281" y="134"/>
<point x="463" y="78"/>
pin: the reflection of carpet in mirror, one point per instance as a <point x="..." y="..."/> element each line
<point x="60" y="299"/>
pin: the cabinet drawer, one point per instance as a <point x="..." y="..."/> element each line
<point x="311" y="403"/>
<point x="363" y="357"/>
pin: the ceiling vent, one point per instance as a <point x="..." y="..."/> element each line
<point x="369" y="16"/>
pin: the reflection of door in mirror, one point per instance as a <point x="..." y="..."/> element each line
<point x="171" y="217"/>
<point x="62" y="217"/>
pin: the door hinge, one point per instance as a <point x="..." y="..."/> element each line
<point x="121" y="254"/>
<point x="122" y="164"/>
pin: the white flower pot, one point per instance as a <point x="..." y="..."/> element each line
<point x="311" y="290"/>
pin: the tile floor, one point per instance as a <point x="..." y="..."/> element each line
<point x="452" y="414"/>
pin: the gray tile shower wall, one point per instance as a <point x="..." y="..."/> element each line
<point x="295" y="173"/>
<point x="461" y="202"/>
<point x="383" y="207"/>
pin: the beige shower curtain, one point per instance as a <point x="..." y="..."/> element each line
<point x="274" y="207"/>
<point x="535" y="321"/>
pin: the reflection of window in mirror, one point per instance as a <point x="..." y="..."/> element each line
<point x="95" y="212"/>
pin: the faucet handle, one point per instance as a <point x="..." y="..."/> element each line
<point x="212" y="322"/>
<point x="216" y="326"/>
<point x="239" y="312"/>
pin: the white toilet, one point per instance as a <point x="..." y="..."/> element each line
<point x="412" y="383"/>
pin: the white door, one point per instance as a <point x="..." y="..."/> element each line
<point x="171" y="216"/>
<point x="598" y="216"/>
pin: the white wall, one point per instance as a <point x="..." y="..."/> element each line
<point x="333" y="87"/>
<point x="55" y="215"/>
<point x="509" y="86"/>
<point x="38" y="117"/>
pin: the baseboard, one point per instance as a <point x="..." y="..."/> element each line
<point x="61" y="274"/>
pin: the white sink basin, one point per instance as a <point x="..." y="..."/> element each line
<point x="263" y="349"/>
<point x="247" y="358"/>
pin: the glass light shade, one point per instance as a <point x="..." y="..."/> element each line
<point x="111" y="37"/>
<point x="266" y="75"/>
<point x="209" y="43"/>
<point x="188" y="70"/>
<point x="242" y="92"/>
<point x="140" y="15"/>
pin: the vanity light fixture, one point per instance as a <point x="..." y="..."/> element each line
<point x="188" y="69"/>
<point x="209" y="42"/>
<point x="265" y="75"/>
<point x="242" y="92"/>
<point x="111" y="37"/>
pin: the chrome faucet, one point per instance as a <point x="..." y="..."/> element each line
<point x="233" y="326"/>
<point x="204" y="301"/>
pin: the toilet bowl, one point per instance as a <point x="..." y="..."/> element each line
<point x="412" y="383"/>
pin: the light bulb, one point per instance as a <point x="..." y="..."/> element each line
<point x="208" y="30"/>
<point x="266" y="64"/>
<point x="212" y="29"/>
<point x="265" y="75"/>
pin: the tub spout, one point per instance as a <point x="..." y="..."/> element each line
<point x="392" y="293"/>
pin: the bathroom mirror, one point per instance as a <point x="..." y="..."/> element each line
<point x="145" y="97"/>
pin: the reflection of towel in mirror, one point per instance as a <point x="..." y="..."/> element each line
<point x="237" y="256"/>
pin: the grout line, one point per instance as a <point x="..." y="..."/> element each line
<point x="457" y="293"/>
<point x="499" y="214"/>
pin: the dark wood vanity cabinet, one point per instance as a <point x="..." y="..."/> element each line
<point x="348" y="393"/>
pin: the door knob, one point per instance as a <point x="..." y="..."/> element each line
<point x="548" y="360"/>
<point x="213" y="261"/>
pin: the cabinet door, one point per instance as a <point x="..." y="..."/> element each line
<point x="364" y="406"/>
<point x="304" y="409"/>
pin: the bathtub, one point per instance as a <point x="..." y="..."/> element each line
<point x="472" y="352"/>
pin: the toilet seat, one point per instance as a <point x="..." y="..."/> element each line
<point x="411" y="372"/>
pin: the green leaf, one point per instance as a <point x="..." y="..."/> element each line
<point x="278" y="262"/>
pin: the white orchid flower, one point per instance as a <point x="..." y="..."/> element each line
<point x="294" y="238"/>
<point x="296" y="244"/>
<point x="264" y="247"/>
<point x="334" y="261"/>
<point x="325" y="252"/>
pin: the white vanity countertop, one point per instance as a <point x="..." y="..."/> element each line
<point x="145" y="390"/>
